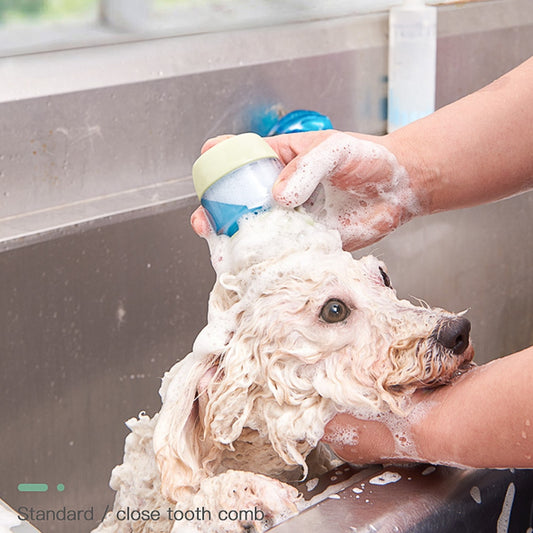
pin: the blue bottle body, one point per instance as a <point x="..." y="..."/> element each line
<point x="244" y="191"/>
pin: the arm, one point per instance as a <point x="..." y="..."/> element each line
<point x="483" y="419"/>
<point x="478" y="149"/>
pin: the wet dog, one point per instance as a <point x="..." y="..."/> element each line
<point x="298" y="331"/>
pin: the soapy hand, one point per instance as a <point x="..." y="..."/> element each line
<point x="344" y="181"/>
<point x="359" y="441"/>
<point x="388" y="437"/>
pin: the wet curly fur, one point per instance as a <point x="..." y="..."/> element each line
<point x="248" y="406"/>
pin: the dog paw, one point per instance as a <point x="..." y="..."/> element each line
<point x="238" y="501"/>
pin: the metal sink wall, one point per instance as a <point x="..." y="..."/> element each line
<point x="90" y="322"/>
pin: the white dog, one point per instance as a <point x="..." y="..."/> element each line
<point x="298" y="330"/>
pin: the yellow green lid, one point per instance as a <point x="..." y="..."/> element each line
<point x="227" y="156"/>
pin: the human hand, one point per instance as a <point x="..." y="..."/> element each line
<point x="465" y="423"/>
<point x="388" y="436"/>
<point x="361" y="441"/>
<point x="349" y="182"/>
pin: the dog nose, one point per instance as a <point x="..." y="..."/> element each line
<point x="453" y="334"/>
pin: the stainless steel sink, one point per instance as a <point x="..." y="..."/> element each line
<point x="425" y="499"/>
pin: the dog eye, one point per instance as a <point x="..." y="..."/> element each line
<point x="334" y="311"/>
<point x="385" y="277"/>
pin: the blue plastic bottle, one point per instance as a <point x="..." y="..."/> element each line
<point x="235" y="178"/>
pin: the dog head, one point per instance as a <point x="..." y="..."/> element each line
<point x="298" y="330"/>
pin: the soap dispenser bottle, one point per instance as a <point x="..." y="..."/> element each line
<point x="412" y="62"/>
<point x="234" y="179"/>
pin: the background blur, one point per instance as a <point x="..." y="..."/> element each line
<point x="37" y="25"/>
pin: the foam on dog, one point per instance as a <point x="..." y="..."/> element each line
<point x="297" y="331"/>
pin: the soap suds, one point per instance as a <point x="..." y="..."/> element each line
<point x="400" y="427"/>
<point x="502" y="526"/>
<point x="311" y="484"/>
<point x="355" y="186"/>
<point x="385" y="478"/>
<point x="343" y="436"/>
<point x="476" y="494"/>
<point x="266" y="246"/>
<point x="281" y="381"/>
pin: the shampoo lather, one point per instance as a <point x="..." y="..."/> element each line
<point x="412" y="62"/>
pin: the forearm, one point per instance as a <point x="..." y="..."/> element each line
<point x="484" y="419"/>
<point x="476" y="150"/>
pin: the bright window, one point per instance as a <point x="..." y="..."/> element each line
<point x="17" y="11"/>
<point x="39" y="25"/>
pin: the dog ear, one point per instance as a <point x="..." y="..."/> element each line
<point x="182" y="449"/>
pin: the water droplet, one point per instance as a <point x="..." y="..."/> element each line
<point x="476" y="494"/>
<point x="428" y="470"/>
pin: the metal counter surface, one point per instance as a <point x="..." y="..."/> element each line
<point x="425" y="499"/>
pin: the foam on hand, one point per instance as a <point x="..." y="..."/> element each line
<point x="353" y="185"/>
<point x="343" y="436"/>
